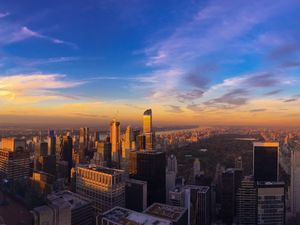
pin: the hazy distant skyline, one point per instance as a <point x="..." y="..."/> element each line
<point x="193" y="62"/>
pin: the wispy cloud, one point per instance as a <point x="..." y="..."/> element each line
<point x="31" y="88"/>
<point x="25" y="33"/>
<point x="174" y="109"/>
<point x="4" y="14"/>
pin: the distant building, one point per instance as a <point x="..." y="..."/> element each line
<point x="148" y="130"/>
<point x="170" y="181"/>
<point x="239" y="162"/>
<point x="172" y="163"/>
<point x="104" y="186"/>
<point x="122" y="216"/>
<point x="115" y="140"/>
<point x="246" y="202"/>
<point x="270" y="203"/>
<point x="150" y="167"/>
<point x="136" y="195"/>
<point x="104" y="150"/>
<point x="84" y="136"/>
<point x="295" y="183"/>
<point x="66" y="154"/>
<point x="177" y="215"/>
<point x="265" y="161"/>
<point x="51" y="139"/>
<point x="14" y="159"/>
<point x="42" y="183"/>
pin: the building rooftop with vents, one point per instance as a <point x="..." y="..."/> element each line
<point x="172" y="213"/>
<point x="123" y="216"/>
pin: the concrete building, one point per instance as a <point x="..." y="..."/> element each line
<point x="270" y="203"/>
<point x="104" y="186"/>
<point x="115" y="140"/>
<point x="14" y="159"/>
<point x="246" y="202"/>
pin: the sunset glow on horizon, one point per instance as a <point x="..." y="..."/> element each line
<point x="191" y="62"/>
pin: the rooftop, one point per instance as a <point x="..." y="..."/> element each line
<point x="73" y="199"/>
<point x="266" y="144"/>
<point x="125" y="216"/>
<point x="168" y="212"/>
<point x="101" y="169"/>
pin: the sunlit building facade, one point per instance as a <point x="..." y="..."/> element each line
<point x="115" y="140"/>
<point x="104" y="186"/>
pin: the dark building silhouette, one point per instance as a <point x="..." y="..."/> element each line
<point x="66" y="154"/>
<point x="150" y="167"/>
<point x="104" y="149"/>
<point x="265" y="161"/>
<point x="231" y="179"/>
<point x="246" y="202"/>
<point x="136" y="195"/>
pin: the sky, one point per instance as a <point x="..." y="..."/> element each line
<point x="194" y="62"/>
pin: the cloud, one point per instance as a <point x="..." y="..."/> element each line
<point x="273" y="92"/>
<point x="30" y="88"/>
<point x="230" y="99"/>
<point x="257" y="110"/>
<point x="5" y="14"/>
<point x="195" y="108"/>
<point x="290" y="100"/>
<point x="34" y="62"/>
<point x="262" y="80"/>
<point x="14" y="34"/>
<point x="174" y="109"/>
<point x="287" y="49"/>
<point x="192" y="95"/>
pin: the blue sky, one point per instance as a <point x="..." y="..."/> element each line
<point x="193" y="59"/>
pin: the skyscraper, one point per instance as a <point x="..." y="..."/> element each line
<point x="104" y="186"/>
<point x="148" y="130"/>
<point x="66" y="154"/>
<point x="265" y="161"/>
<point x="115" y="140"/>
<point x="14" y="159"/>
<point x="151" y="167"/>
<point x="128" y="138"/>
<point x="147" y="121"/>
<point x="172" y="163"/>
<point x="51" y="139"/>
<point x="136" y="195"/>
<point x="83" y="143"/>
<point x="246" y="202"/>
<point x="295" y="182"/>
<point x="270" y="203"/>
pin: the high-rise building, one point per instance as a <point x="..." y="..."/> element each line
<point x="178" y="215"/>
<point x="246" y="202"/>
<point x="170" y="182"/>
<point x="104" y="186"/>
<point x="295" y="182"/>
<point x="228" y="196"/>
<point x="270" y="203"/>
<point x="83" y="143"/>
<point x="122" y="216"/>
<point x="66" y="154"/>
<point x="51" y="139"/>
<point x="172" y="163"/>
<point x="14" y="159"/>
<point x="115" y="140"/>
<point x="265" y="161"/>
<point x="239" y="162"/>
<point x="104" y="149"/>
<point x="128" y="138"/>
<point x="200" y="204"/>
<point x="151" y="167"/>
<point x="147" y="121"/>
<point x="136" y="195"/>
<point x="148" y="130"/>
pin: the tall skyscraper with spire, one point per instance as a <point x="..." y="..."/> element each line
<point x="115" y="140"/>
<point x="148" y="130"/>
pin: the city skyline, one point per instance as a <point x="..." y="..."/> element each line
<point x="191" y="62"/>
